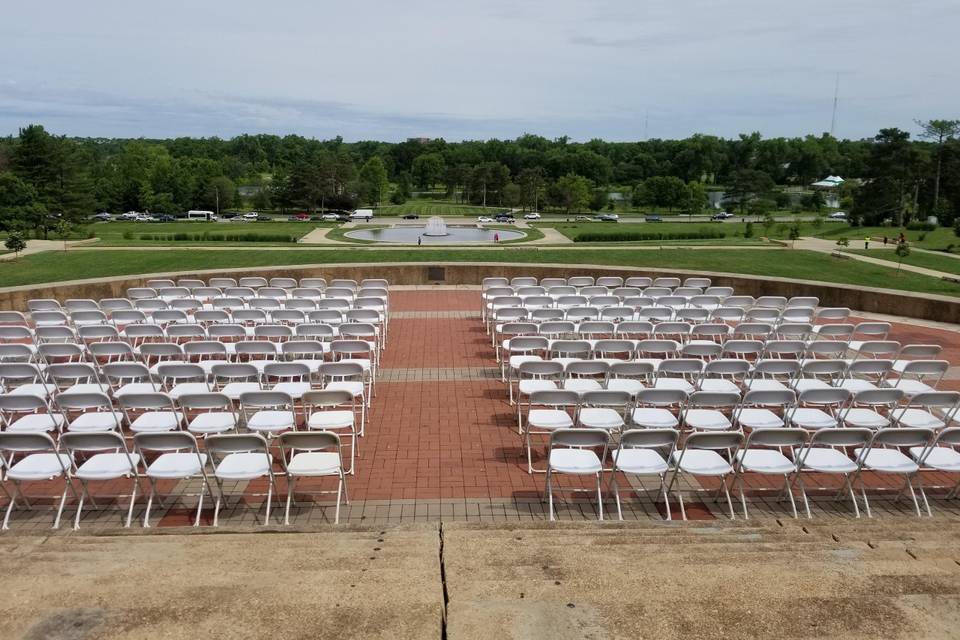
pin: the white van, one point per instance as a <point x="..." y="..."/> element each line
<point x="201" y="215"/>
<point x="362" y="214"/>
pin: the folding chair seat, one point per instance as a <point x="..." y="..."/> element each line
<point x="763" y="409"/>
<point x="240" y="457"/>
<point x="911" y="352"/>
<point x="109" y="459"/>
<point x="871" y="408"/>
<point x="32" y="457"/>
<point x="268" y="412"/>
<point x="150" y="412"/>
<point x="919" y="376"/>
<point x="818" y="409"/>
<point x="631" y="377"/>
<point x="942" y="455"/>
<point x="762" y="453"/>
<point x="346" y="376"/>
<point x="312" y="455"/>
<point x="536" y="375"/>
<point x="658" y="408"/>
<point x="233" y="380"/>
<point x="207" y="354"/>
<point x="258" y="353"/>
<point x="868" y="331"/>
<point x="773" y="375"/>
<point x="24" y="378"/>
<point x="76" y="377"/>
<point x="128" y="377"/>
<point x="335" y="411"/>
<point x="724" y="376"/>
<point x="180" y="459"/>
<point x="572" y="451"/>
<point x="547" y="411"/>
<point x="930" y="410"/>
<point x="288" y="377"/>
<point x="709" y="410"/>
<point x="208" y="413"/>
<point x="884" y="456"/>
<point x="819" y="374"/>
<point x="861" y="375"/>
<point x="180" y="379"/>
<point x="155" y="354"/>
<point x="643" y="452"/>
<point x="826" y="453"/>
<point x="604" y="409"/>
<point x="28" y="413"/>
<point x="701" y="456"/>
<point x="678" y="373"/>
<point x="85" y="412"/>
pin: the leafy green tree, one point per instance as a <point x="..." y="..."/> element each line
<point x="599" y="199"/>
<point x="893" y="172"/>
<point x="664" y="191"/>
<point x="373" y="180"/>
<point x="748" y="230"/>
<point x="20" y="206"/>
<point x="570" y="193"/>
<point x="782" y="199"/>
<point x="428" y="169"/>
<point x="748" y="184"/>
<point x="695" y="199"/>
<point x="794" y="233"/>
<point x="531" y="183"/>
<point x="939" y="131"/>
<point x="15" y="243"/>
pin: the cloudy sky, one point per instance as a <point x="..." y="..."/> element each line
<point x="616" y="69"/>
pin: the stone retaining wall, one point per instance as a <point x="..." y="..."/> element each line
<point x="901" y="303"/>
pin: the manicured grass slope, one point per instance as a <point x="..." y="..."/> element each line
<point x="54" y="266"/>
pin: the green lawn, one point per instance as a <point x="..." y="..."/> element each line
<point x="733" y="230"/>
<point x="926" y="260"/>
<point x="76" y="264"/>
<point x="936" y="240"/>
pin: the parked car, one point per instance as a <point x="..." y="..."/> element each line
<point x="609" y="217"/>
<point x="504" y="217"/>
<point x="484" y="219"/>
<point x="330" y="217"/>
<point x="411" y="216"/>
<point x="129" y="215"/>
<point x="145" y="217"/>
<point x="253" y="215"/>
<point x="722" y="215"/>
<point x="838" y="215"/>
<point x="653" y="218"/>
<point x="104" y="217"/>
<point x="583" y="219"/>
<point x="165" y="218"/>
<point x="533" y="215"/>
<point x="297" y="217"/>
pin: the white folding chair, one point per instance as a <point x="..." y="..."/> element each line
<point x="109" y="459"/>
<point x="238" y="458"/>
<point x="826" y="453"/>
<point x="643" y="452"/>
<point x="573" y="452"/>
<point x="701" y="456"/>
<point x="180" y="459"/>
<point x="763" y="453"/>
<point x="883" y="455"/>
<point x="312" y="454"/>
<point x="39" y="459"/>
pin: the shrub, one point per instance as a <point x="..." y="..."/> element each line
<point x="748" y="230"/>
<point x="128" y="235"/>
<point x="921" y="226"/>
<point x="634" y="236"/>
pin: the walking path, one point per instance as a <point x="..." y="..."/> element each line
<point x="828" y="246"/>
<point x="39" y="246"/>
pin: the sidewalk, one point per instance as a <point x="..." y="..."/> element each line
<point x="828" y="246"/>
<point x="38" y="246"/>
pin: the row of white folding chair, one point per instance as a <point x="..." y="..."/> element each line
<point x="790" y="453"/>
<point x="586" y="281"/>
<point x="204" y="296"/>
<point x="230" y="457"/>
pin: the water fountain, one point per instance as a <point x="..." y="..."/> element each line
<point x="436" y="227"/>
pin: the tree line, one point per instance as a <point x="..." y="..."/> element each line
<point x="45" y="178"/>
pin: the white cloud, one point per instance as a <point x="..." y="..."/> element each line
<point x="465" y="70"/>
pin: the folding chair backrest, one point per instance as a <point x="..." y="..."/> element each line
<point x="25" y="443"/>
<point x="727" y="367"/>
<point x="341" y="370"/>
<point x="146" y="401"/>
<point x="936" y="400"/>
<point x="649" y="438"/>
<point x="776" y="437"/>
<point x="878" y="397"/>
<point x="579" y="438"/>
<point x="606" y="398"/>
<point x="661" y="397"/>
<point x="714" y="399"/>
<point x="180" y="371"/>
<point x="555" y="398"/>
<point x="824" y="397"/>
<point x="308" y="441"/>
<point x="840" y="437"/>
<point x="167" y="441"/>
<point x="770" y="398"/>
<point x="949" y="437"/>
<point x="714" y="440"/>
<point x="95" y="441"/>
<point x="541" y="369"/>
<point x="234" y="372"/>
<point x="223" y="444"/>
<point x="327" y="398"/>
<point x="902" y="437"/>
<point x="201" y="401"/>
<point x="266" y="399"/>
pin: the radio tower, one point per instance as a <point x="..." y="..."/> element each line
<point x="836" y="94"/>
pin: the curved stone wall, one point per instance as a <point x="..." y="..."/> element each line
<point x="900" y="303"/>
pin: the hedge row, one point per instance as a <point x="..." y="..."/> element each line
<point x="632" y="236"/>
<point x="219" y="237"/>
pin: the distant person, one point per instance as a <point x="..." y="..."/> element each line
<point x="419" y="240"/>
<point x="884" y="240"/>
<point x="496" y="238"/>
<point x="866" y="242"/>
<point x="902" y="238"/>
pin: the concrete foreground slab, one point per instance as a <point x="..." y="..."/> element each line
<point x="799" y="580"/>
<point x="787" y="579"/>
<point x="343" y="584"/>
